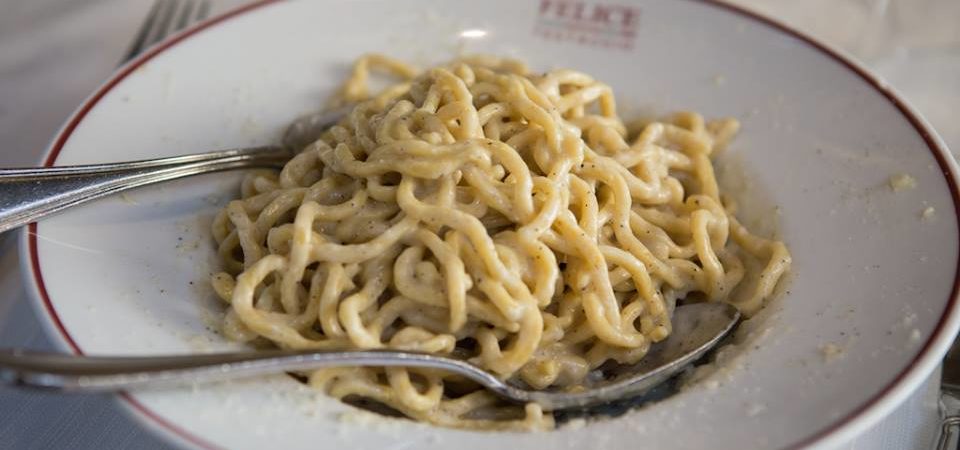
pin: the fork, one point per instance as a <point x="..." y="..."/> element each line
<point x="32" y="193"/>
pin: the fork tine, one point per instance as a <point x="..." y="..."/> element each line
<point x="140" y="41"/>
<point x="165" y="18"/>
<point x="163" y="28"/>
<point x="185" y="13"/>
<point x="203" y="10"/>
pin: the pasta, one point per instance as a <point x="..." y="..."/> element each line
<point x="482" y="210"/>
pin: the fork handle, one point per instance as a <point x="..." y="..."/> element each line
<point x="948" y="431"/>
<point x="949" y="428"/>
<point x="29" y="194"/>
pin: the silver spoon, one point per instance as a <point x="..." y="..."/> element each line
<point x="696" y="329"/>
<point x="30" y="194"/>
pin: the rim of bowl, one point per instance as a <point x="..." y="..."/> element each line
<point x="866" y="414"/>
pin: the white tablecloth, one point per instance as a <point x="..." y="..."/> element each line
<point x="54" y="52"/>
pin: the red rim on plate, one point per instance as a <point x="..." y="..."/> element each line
<point x="152" y="418"/>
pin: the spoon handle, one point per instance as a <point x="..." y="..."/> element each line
<point x="29" y="194"/>
<point x="76" y="373"/>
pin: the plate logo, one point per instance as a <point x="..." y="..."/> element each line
<point x="594" y="24"/>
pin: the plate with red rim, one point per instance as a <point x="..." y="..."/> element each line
<point x="868" y="312"/>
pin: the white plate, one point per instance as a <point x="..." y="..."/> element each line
<point x="127" y="275"/>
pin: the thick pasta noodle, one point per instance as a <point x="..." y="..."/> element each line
<point x="480" y="210"/>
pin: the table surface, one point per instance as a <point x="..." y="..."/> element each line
<point x="53" y="53"/>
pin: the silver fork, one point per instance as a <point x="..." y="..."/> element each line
<point x="32" y="193"/>
<point x="166" y="17"/>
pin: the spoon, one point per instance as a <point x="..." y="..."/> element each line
<point x="696" y="329"/>
<point x="30" y="194"/>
